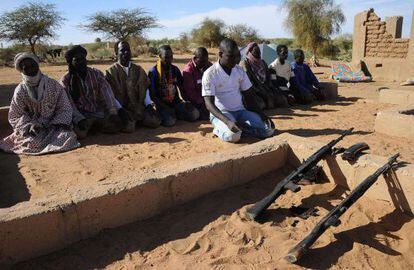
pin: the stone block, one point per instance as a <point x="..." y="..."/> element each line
<point x="397" y="96"/>
<point x="373" y="27"/>
<point x="398" y="122"/>
<point x="372" y="36"/>
<point x="330" y="90"/>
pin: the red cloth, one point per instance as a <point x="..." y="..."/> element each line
<point x="192" y="83"/>
<point x="256" y="64"/>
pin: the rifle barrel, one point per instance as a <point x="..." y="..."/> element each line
<point x="333" y="216"/>
<point x="263" y="204"/>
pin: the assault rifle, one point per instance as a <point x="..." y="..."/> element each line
<point x="332" y="218"/>
<point x="290" y="181"/>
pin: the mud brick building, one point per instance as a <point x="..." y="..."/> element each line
<point x="379" y="45"/>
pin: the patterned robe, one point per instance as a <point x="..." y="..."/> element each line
<point x="51" y="112"/>
<point x="96" y="97"/>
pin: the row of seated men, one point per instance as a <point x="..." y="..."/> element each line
<point x="49" y="116"/>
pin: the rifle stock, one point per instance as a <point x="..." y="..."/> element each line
<point x="293" y="177"/>
<point x="332" y="218"/>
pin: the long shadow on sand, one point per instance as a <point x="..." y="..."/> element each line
<point x="305" y="132"/>
<point x="142" y="135"/>
<point x="340" y="101"/>
<point x="368" y="234"/>
<point x="13" y="188"/>
<point x="6" y="94"/>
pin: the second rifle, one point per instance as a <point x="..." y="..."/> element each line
<point x="290" y="181"/>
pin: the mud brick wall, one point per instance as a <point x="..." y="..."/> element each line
<point x="380" y="43"/>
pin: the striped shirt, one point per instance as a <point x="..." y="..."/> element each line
<point x="96" y="97"/>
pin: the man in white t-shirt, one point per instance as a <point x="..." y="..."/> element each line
<point x="224" y="86"/>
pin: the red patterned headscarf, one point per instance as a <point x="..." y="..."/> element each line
<point x="257" y="65"/>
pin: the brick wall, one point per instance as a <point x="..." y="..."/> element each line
<point x="380" y="43"/>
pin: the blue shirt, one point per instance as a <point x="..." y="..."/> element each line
<point x="305" y="78"/>
<point x="160" y="90"/>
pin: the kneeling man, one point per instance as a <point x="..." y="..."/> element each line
<point x="166" y="82"/>
<point x="225" y="85"/>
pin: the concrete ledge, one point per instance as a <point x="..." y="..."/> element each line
<point x="396" y="96"/>
<point x="397" y="187"/>
<point x="38" y="227"/>
<point x="397" y="122"/>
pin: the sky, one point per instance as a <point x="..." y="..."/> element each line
<point x="181" y="16"/>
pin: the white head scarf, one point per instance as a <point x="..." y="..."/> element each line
<point x="35" y="84"/>
<point x="20" y="56"/>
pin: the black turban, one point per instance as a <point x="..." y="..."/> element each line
<point x="75" y="50"/>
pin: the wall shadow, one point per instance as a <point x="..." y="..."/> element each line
<point x="13" y="188"/>
<point x="6" y="93"/>
<point x="305" y="132"/>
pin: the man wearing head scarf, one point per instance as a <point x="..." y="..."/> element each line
<point x="256" y="68"/>
<point x="93" y="102"/>
<point x="129" y="83"/>
<point x="40" y="113"/>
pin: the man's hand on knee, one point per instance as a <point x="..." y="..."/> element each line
<point x="233" y="126"/>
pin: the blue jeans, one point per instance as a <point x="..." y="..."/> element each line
<point x="250" y="123"/>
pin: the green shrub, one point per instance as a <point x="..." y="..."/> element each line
<point x="7" y="56"/>
<point x="103" y="53"/>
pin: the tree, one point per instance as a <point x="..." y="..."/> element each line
<point x="121" y="24"/>
<point x="242" y="34"/>
<point x="30" y="23"/>
<point x="98" y="40"/>
<point x="209" y="33"/>
<point x="344" y="42"/>
<point x="184" y="42"/>
<point x="312" y="22"/>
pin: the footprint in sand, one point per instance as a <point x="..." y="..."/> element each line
<point x="123" y="156"/>
<point x="198" y="245"/>
<point x="86" y="172"/>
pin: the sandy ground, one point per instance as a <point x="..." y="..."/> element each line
<point x="213" y="233"/>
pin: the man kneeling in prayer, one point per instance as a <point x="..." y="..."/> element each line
<point x="225" y="85"/>
<point x="192" y="75"/>
<point x="259" y="75"/>
<point x="40" y="113"/>
<point x="93" y="102"/>
<point x="285" y="78"/>
<point x="306" y="80"/>
<point x="166" y="82"/>
<point x="129" y="83"/>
